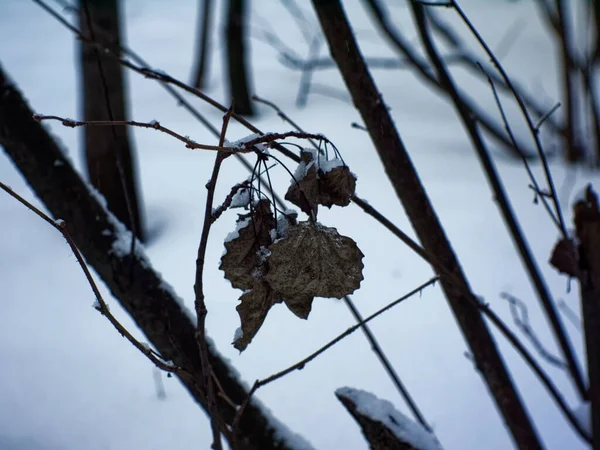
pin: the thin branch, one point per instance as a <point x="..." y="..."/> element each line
<point x="544" y="379"/>
<point x="155" y="125"/>
<point x="303" y="362"/>
<point x="532" y="178"/>
<point x="570" y="314"/>
<point x="101" y="306"/>
<point x="199" y="302"/>
<point x="423" y="69"/>
<point x="466" y="57"/>
<point x="546" y="116"/>
<point x="526" y="115"/>
<point x="520" y="316"/>
<point x="284" y="117"/>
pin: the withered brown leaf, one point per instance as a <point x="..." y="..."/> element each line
<point x="300" y="306"/>
<point x="565" y="257"/>
<point x="337" y="186"/>
<point x="327" y="183"/>
<point x="241" y="260"/>
<point x="253" y="309"/>
<point x="304" y="191"/>
<point x="313" y="261"/>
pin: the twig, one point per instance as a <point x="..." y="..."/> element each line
<point x="100" y="304"/>
<point x="523" y="108"/>
<point x="303" y="362"/>
<point x="307" y="72"/>
<point x="545" y="117"/>
<point x="535" y="185"/>
<point x="520" y="315"/>
<point x="199" y="302"/>
<point x="155" y="125"/>
<point x="539" y="372"/>
<point x="423" y="69"/>
<point x="466" y="57"/>
<point x="284" y="117"/>
<point x="569" y="314"/>
<point x="217" y="212"/>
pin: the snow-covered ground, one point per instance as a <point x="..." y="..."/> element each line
<point x="69" y="381"/>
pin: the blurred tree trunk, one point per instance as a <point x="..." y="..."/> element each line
<point x="205" y="8"/>
<point x="238" y="64"/>
<point x="108" y="151"/>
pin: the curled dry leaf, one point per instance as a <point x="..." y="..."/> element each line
<point x="241" y="260"/>
<point x="253" y="309"/>
<point x="337" y="186"/>
<point x="304" y="190"/>
<point x="565" y="257"/>
<point x="313" y="261"/>
<point x="327" y="183"/>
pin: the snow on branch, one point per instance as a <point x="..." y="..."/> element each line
<point x="383" y="426"/>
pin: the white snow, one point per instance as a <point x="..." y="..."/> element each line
<point x="239" y="225"/>
<point x="407" y="430"/>
<point x="330" y="164"/>
<point x="241" y="199"/>
<point x="238" y="334"/>
<point x="98" y="392"/>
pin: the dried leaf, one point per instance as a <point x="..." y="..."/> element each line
<point x="337" y="186"/>
<point x="326" y="182"/>
<point x="300" y="306"/>
<point x="241" y="260"/>
<point x="565" y="257"/>
<point x="253" y="309"/>
<point x="304" y="190"/>
<point x="313" y="261"/>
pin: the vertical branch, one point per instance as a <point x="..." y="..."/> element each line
<point x="238" y="64"/>
<point x="574" y="152"/>
<point x="204" y="27"/>
<point x="199" y="302"/>
<point x="109" y="154"/>
<point x="411" y="193"/>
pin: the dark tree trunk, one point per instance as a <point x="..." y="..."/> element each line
<point x="238" y="63"/>
<point x="587" y="224"/>
<point x="205" y="8"/>
<point x="413" y="197"/>
<point x="108" y="151"/>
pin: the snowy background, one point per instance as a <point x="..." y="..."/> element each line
<point x="69" y="381"/>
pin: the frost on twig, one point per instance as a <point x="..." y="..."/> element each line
<point x="383" y="426"/>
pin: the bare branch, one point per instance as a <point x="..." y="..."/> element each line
<point x="100" y="304"/>
<point x="520" y="315"/>
<point x="303" y="362"/>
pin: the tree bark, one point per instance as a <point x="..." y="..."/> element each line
<point x="238" y="63"/>
<point x="150" y="301"/>
<point x="205" y="8"/>
<point x="108" y="151"/>
<point x="415" y="201"/>
<point x="587" y="224"/>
